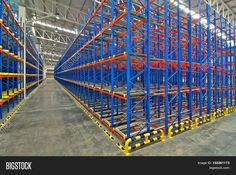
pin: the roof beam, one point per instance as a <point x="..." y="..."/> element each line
<point x="221" y="7"/>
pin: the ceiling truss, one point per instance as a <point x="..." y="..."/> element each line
<point x="52" y="36"/>
<point x="221" y="7"/>
<point x="52" y="8"/>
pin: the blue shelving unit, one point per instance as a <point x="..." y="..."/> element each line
<point x="12" y="59"/>
<point x="145" y="69"/>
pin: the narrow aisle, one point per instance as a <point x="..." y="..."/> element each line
<point x="51" y="124"/>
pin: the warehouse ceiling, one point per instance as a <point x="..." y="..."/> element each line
<point x="55" y="23"/>
<point x="225" y="7"/>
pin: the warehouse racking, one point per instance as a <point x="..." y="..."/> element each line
<point x="34" y="66"/>
<point x="12" y="60"/>
<point x="153" y="67"/>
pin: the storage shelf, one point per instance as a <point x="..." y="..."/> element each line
<point x="12" y="60"/>
<point x="151" y="66"/>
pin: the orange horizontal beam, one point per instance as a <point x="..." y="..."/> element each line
<point x="12" y="14"/>
<point x="113" y="94"/>
<point x="95" y="37"/>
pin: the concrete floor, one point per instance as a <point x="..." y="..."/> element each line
<point x="212" y="139"/>
<point x="51" y="124"/>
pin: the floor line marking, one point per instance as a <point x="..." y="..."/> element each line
<point x="95" y="121"/>
<point x="18" y="107"/>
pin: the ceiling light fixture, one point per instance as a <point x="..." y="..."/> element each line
<point x="50" y="54"/>
<point x="192" y="13"/>
<point x="182" y="7"/>
<point x="55" y="27"/>
<point x="186" y="10"/>
<point x="57" y="16"/>
<point x="203" y="21"/>
<point x="196" y="16"/>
